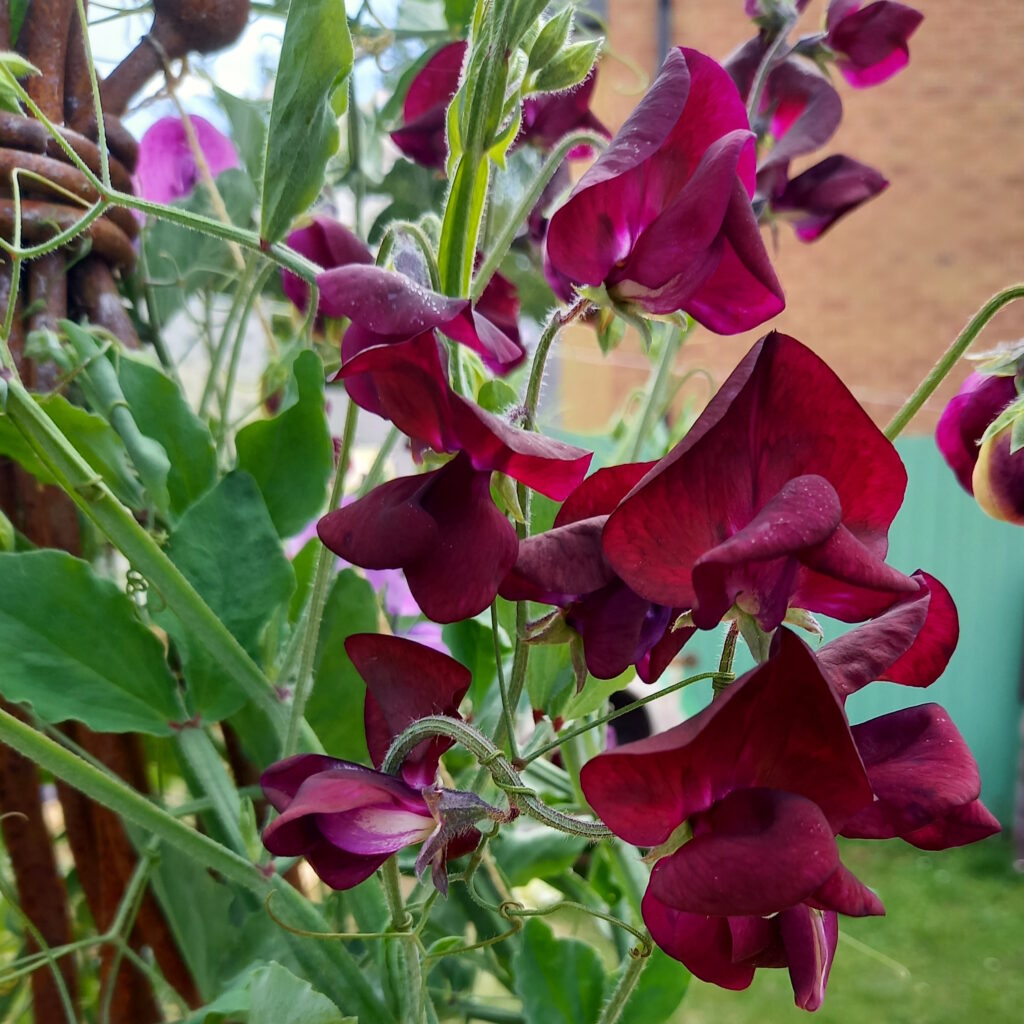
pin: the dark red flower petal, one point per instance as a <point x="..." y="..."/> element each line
<point x="910" y="643"/>
<point x="871" y="41"/>
<point x="453" y="543"/>
<point x="809" y="937"/>
<point x="780" y="727"/>
<point x="406" y="681"/>
<point x="548" y="119"/>
<point x="919" y="767"/>
<point x="969" y="823"/>
<point x="327" y="243"/>
<point x="601" y="492"/>
<point x="422" y="135"/>
<point x="702" y="944"/>
<point x="846" y="894"/>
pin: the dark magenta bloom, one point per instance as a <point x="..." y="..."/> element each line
<point x="387" y="308"/>
<point x="549" y="118"/>
<point x="663" y="219"/>
<point x="166" y="168"/>
<point x="870" y="42"/>
<point x="422" y="135"/>
<point x="780" y="495"/>
<point x="405" y="682"/>
<point x="327" y="243"/>
<point x="814" y="200"/>
<point x="566" y="567"/>
<point x="441" y="528"/>
<point x="346" y="819"/>
<point x="965" y="419"/>
<point x="762" y="780"/>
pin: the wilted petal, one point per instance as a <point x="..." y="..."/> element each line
<point x="166" y="169"/>
<point x="406" y="681"/>
<point x="998" y="478"/>
<point x="871" y="41"/>
<point x="809" y="937"/>
<point x="825" y="193"/>
<point x="919" y="767"/>
<point x="703" y="944"/>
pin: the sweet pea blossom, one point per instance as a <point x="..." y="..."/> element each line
<point x="781" y="495"/>
<point x="166" y="169"/>
<point x="870" y="41"/>
<point x="663" y="219"/>
<point x="347" y="819"/>
<point x="741" y="805"/>
<point x="566" y="567"/>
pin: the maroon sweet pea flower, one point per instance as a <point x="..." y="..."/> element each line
<point x="548" y="119"/>
<point x="441" y="528"/>
<point x="387" y="308"/>
<point x="825" y="193"/>
<point x="741" y="804"/>
<point x="422" y="135"/>
<point x="780" y="495"/>
<point x="566" y="567"/>
<point x="405" y="682"/>
<point x="870" y="42"/>
<point x="663" y="218"/>
<point x="346" y="819"/>
<point x="965" y="419"/>
<point x="327" y="243"/>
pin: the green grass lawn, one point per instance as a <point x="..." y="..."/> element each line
<point x="950" y="951"/>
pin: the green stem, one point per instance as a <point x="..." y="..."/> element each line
<point x="77" y="478"/>
<point x="94" y="88"/>
<point x="419" y="237"/>
<point x="342" y="979"/>
<point x="962" y="343"/>
<point x="490" y="757"/>
<point x="410" y="970"/>
<point x="508" y="713"/>
<point x="569" y="734"/>
<point x="236" y="349"/>
<point x="205" y="764"/>
<point x="318" y="596"/>
<point x="620" y="997"/>
<point x="242" y="290"/>
<point x="672" y="341"/>
<point x="529" y="200"/>
<point x="767" y="65"/>
<point x="376" y="472"/>
<point x="725" y="676"/>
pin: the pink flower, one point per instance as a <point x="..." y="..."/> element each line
<point x="166" y="169"/>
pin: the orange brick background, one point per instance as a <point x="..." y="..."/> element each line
<point x="888" y="288"/>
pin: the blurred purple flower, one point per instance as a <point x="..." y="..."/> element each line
<point x="166" y="168"/>
<point x="870" y="42"/>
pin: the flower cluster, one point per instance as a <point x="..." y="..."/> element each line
<point x="796" y="110"/>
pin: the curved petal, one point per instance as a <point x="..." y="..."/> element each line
<point x="281" y="781"/>
<point x="422" y="135"/>
<point x="969" y="823"/>
<point x="910" y="643"/>
<point x="872" y="42"/>
<point x="375" y="830"/>
<point x="763" y="851"/>
<point x="166" y="168"/>
<point x="601" y="492"/>
<point x="702" y="944"/>
<point x="340" y="869"/>
<point x="406" y="681"/>
<point x="919" y="767"/>
<point x="846" y="894"/>
<point x="327" y="243"/>
<point x="810" y="938"/>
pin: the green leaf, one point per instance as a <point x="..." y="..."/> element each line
<point x="458" y="12"/>
<point x="658" y="993"/>
<point x="533" y="851"/>
<point x="8" y="535"/>
<point x="594" y="694"/>
<point x="549" y="678"/>
<point x="316" y="58"/>
<point x="335" y="708"/>
<point x="161" y="412"/>
<point x="551" y="39"/>
<point x="560" y="981"/>
<point x="279" y="997"/>
<point x="248" y="129"/>
<point x="181" y="261"/>
<point x="291" y="455"/>
<point x="496" y="396"/>
<point x="569" y="68"/>
<point x="227" y="548"/>
<point x="74" y="648"/>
